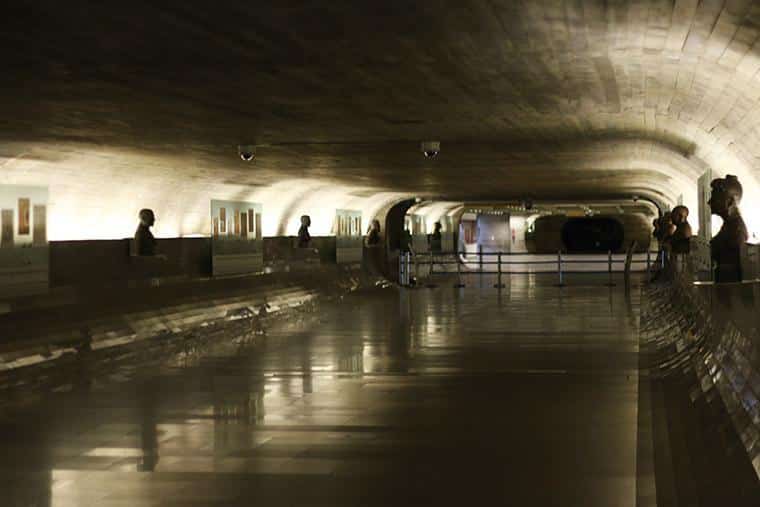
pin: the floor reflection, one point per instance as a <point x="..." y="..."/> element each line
<point x="525" y="395"/>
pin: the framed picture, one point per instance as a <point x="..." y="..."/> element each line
<point x="251" y="221"/>
<point x="244" y="224"/>
<point x="6" y="228"/>
<point x="24" y="218"/>
<point x="39" y="234"/>
<point x="258" y="225"/>
<point x="223" y="220"/>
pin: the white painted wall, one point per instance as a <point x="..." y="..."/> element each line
<point x="98" y="196"/>
<point x="518" y="225"/>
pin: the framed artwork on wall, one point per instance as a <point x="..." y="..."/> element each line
<point x="6" y="228"/>
<point x="24" y="248"/>
<point x="24" y="218"/>
<point x="39" y="235"/>
<point x="244" y="224"/>
<point x="258" y="226"/>
<point x="237" y="247"/>
<point x="348" y="240"/>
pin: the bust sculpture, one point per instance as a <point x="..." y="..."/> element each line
<point x="679" y="240"/>
<point x="725" y="247"/>
<point x="304" y="238"/>
<point x="373" y="235"/>
<point x="145" y="243"/>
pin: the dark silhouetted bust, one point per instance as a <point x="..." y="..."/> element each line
<point x="304" y="238"/>
<point x="373" y="235"/>
<point x="435" y="238"/>
<point x="679" y="240"/>
<point x="664" y="228"/>
<point x="725" y="247"/>
<point x="145" y="243"/>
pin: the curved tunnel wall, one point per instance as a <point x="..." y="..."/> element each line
<point x="663" y="96"/>
<point x="96" y="191"/>
<point x="96" y="195"/>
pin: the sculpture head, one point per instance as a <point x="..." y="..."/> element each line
<point x="147" y="218"/>
<point x="437" y="226"/>
<point x="665" y="226"/>
<point x="306" y="220"/>
<point x="679" y="215"/>
<point x="726" y="196"/>
<point x="376" y="225"/>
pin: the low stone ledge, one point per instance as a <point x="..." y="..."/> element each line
<point x="48" y="352"/>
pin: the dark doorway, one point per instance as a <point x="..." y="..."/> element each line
<point x="592" y="235"/>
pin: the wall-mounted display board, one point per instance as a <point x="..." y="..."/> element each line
<point x="417" y="226"/>
<point x="24" y="253"/>
<point x="237" y="245"/>
<point x="348" y="236"/>
<point x="705" y="217"/>
<point x="468" y="229"/>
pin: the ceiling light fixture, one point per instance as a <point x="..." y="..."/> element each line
<point x="431" y="149"/>
<point x="247" y="152"/>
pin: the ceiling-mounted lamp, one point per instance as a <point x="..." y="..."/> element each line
<point x="430" y="149"/>
<point x="247" y="152"/>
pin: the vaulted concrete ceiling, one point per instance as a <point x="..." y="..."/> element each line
<point x="553" y="99"/>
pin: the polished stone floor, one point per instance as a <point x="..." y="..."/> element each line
<point x="527" y="396"/>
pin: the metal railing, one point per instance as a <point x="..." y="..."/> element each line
<point x="413" y="266"/>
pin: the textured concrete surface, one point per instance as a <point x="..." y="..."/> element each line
<point x="579" y="99"/>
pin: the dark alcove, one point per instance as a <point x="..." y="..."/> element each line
<point x="592" y="235"/>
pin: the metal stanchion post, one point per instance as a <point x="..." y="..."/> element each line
<point x="459" y="283"/>
<point x="430" y="284"/>
<point x="498" y="284"/>
<point x="401" y="268"/>
<point x="610" y="283"/>
<point x="409" y="268"/>
<point x="648" y="260"/>
<point x="559" y="269"/>
<point x="480" y="258"/>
